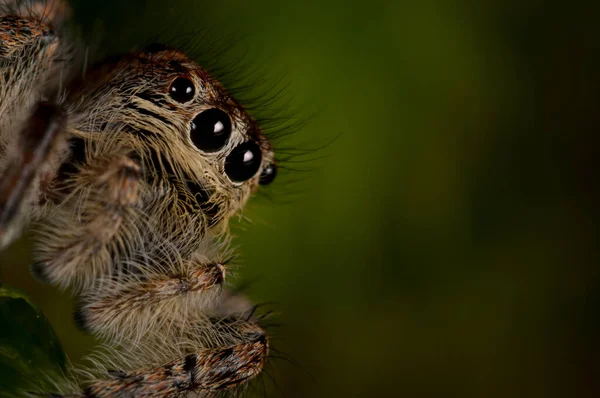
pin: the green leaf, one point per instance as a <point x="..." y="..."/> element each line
<point x="31" y="356"/>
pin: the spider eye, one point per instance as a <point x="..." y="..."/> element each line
<point x="243" y="162"/>
<point x="182" y="90"/>
<point x="268" y="174"/>
<point x="211" y="130"/>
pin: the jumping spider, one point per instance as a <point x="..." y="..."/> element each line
<point x="131" y="172"/>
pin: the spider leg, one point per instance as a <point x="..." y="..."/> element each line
<point x="31" y="127"/>
<point x="199" y="351"/>
<point x="203" y="371"/>
<point x="53" y="12"/>
<point x="124" y="310"/>
<point x="35" y="152"/>
<point x="106" y="193"/>
<point x="22" y="37"/>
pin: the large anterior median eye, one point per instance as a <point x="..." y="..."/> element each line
<point x="210" y="130"/>
<point x="243" y="162"/>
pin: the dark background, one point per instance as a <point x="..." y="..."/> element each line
<point x="440" y="235"/>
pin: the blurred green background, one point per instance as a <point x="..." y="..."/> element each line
<point x="446" y="242"/>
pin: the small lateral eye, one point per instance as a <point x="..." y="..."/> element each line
<point x="211" y="130"/>
<point x="243" y="162"/>
<point x="268" y="174"/>
<point x="182" y="90"/>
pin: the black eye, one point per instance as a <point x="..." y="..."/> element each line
<point x="268" y="174"/>
<point x="182" y="90"/>
<point x="211" y="130"/>
<point x="243" y="162"/>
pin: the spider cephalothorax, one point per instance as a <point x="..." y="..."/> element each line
<point x="191" y="154"/>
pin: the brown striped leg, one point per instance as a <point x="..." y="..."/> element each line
<point x="204" y="371"/>
<point x="37" y="149"/>
<point x="54" y="12"/>
<point x="24" y="37"/>
<point x="76" y="256"/>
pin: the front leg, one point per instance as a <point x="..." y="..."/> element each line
<point x="52" y="12"/>
<point x="83" y="238"/>
<point x="204" y="372"/>
<point x="31" y="139"/>
<point x="34" y="154"/>
<point x="202" y="356"/>
<point x="30" y="58"/>
<point x="126" y="309"/>
<point x="24" y="39"/>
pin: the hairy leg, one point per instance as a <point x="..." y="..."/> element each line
<point x="82" y="241"/>
<point x="31" y="64"/>
<point x="35" y="154"/>
<point x="204" y="371"/>
<point x="51" y="12"/>
<point x="31" y="139"/>
<point x="125" y="309"/>
<point x="18" y="33"/>
<point x="210" y="355"/>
